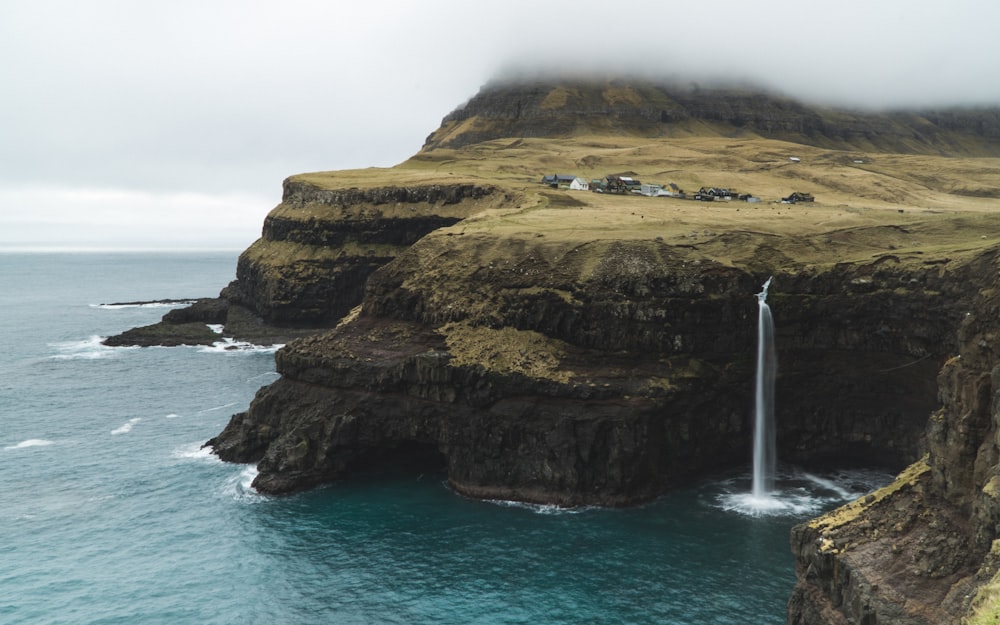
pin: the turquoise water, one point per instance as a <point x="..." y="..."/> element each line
<point x="111" y="513"/>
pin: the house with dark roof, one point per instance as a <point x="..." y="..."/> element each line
<point x="556" y="180"/>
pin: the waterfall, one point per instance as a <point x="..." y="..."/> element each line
<point x="764" y="456"/>
<point x="793" y="492"/>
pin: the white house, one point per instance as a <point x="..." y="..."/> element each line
<point x="579" y="184"/>
<point x="656" y="190"/>
<point x="651" y="190"/>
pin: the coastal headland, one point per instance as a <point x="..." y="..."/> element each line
<point x="552" y="345"/>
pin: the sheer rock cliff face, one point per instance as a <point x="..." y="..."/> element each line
<point x="601" y="373"/>
<point x="315" y="254"/>
<point x="319" y="246"/>
<point x="921" y="550"/>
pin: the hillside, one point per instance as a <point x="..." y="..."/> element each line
<point x="565" y="108"/>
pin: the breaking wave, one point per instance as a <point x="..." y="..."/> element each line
<point x="240" y="486"/>
<point x="87" y="349"/>
<point x="31" y="442"/>
<point x="159" y="304"/>
<point x="126" y="428"/>
<point x="228" y="345"/>
<point x="195" y="451"/>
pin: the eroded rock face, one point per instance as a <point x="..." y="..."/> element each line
<point x="319" y="246"/>
<point x="918" y="551"/>
<point x="310" y="266"/>
<point x="601" y="373"/>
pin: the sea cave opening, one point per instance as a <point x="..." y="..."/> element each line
<point x="405" y="457"/>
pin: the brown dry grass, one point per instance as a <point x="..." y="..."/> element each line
<point x="887" y="203"/>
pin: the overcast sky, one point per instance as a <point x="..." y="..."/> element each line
<point x="132" y="124"/>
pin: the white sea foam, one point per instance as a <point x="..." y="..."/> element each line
<point x="538" y="508"/>
<point x="216" y="327"/>
<point x="31" y="442"/>
<point x="222" y="407"/>
<point x="798" y="493"/>
<point x="195" y="451"/>
<point x="173" y="415"/>
<point x="777" y="503"/>
<point x="240" y="486"/>
<point x="88" y="349"/>
<point x="126" y="428"/>
<point x="176" y="304"/>
<point x="229" y="346"/>
<point x="829" y="485"/>
<point x="264" y="375"/>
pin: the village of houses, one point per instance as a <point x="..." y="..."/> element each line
<point x="627" y="182"/>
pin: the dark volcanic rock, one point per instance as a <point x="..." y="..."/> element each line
<point x="381" y="389"/>
<point x="532" y="380"/>
<point x="917" y="551"/>
<point x="319" y="246"/>
<point x="181" y="326"/>
<point x="191" y="326"/>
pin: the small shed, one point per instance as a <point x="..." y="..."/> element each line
<point x="579" y="184"/>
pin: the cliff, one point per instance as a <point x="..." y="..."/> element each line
<point x="316" y="251"/>
<point x="600" y="372"/>
<point x="319" y="246"/>
<point x="542" y="345"/>
<point x="530" y="356"/>
<point x="923" y="550"/>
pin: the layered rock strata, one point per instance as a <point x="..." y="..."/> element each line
<point x="319" y="246"/>
<point x="923" y="550"/>
<point x="316" y="251"/>
<point x="599" y="373"/>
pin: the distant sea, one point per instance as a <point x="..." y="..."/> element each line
<point x="112" y="513"/>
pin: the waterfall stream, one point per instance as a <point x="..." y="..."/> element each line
<point x="764" y="456"/>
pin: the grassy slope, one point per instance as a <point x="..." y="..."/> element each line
<point x="899" y="205"/>
<point x="889" y="203"/>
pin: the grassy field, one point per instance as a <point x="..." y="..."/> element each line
<point x="867" y="204"/>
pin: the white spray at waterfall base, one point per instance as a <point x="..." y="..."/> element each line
<point x="790" y="491"/>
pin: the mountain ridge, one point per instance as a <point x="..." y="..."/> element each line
<point x="550" y="108"/>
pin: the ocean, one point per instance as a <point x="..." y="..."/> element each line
<point x="111" y="512"/>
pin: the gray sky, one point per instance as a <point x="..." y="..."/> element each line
<point x="134" y="124"/>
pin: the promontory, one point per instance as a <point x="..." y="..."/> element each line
<point x="553" y="301"/>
